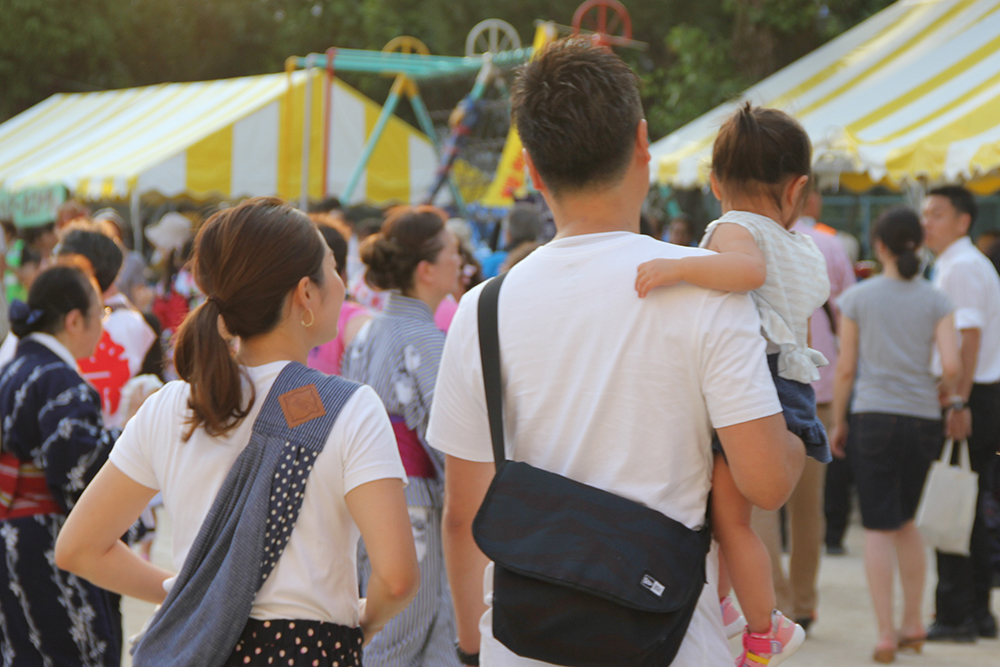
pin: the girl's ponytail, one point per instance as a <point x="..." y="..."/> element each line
<point x="900" y="231"/>
<point x="204" y="359"/>
<point x="760" y="147"/>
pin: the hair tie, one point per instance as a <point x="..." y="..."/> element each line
<point x="20" y="312"/>
<point x="219" y="303"/>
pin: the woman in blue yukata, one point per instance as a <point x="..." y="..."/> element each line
<point x="54" y="443"/>
<point x="398" y="353"/>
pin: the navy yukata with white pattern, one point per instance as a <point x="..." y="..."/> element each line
<point x="51" y="417"/>
<point x="398" y="354"/>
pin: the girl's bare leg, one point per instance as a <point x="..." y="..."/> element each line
<point x="746" y="557"/>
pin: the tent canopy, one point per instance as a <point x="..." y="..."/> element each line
<point x="913" y="93"/>
<point x="228" y="138"/>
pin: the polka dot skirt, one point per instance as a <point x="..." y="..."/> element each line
<point x="286" y="643"/>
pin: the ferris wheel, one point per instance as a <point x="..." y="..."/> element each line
<point x="491" y="36"/>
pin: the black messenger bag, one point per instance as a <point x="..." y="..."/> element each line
<point x="583" y="577"/>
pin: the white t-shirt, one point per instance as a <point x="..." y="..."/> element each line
<point x="316" y="577"/>
<point x="972" y="283"/>
<point x="610" y="389"/>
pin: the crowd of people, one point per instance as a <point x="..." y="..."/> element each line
<point x="303" y="393"/>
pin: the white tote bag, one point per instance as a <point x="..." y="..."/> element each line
<point x="948" y="506"/>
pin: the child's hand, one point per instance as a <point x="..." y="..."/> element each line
<point x="657" y="273"/>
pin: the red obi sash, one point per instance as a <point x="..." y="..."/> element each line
<point x="416" y="461"/>
<point x="23" y="489"/>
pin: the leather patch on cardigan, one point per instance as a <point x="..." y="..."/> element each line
<point x="301" y="405"/>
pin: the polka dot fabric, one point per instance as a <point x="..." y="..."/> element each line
<point x="286" y="643"/>
<point x="287" y="490"/>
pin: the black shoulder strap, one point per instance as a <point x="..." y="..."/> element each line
<point x="489" y="350"/>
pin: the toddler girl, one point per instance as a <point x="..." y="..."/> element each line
<point x="761" y="174"/>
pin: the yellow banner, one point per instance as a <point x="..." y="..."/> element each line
<point x="509" y="181"/>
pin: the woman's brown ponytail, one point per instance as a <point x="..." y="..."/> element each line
<point x="247" y="260"/>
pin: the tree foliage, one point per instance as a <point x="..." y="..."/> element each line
<point x="700" y="53"/>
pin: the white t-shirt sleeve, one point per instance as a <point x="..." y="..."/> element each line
<point x="459" y="425"/>
<point x="369" y="443"/>
<point x="135" y="451"/>
<point x="735" y="379"/>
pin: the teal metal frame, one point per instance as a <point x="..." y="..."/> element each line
<point x="409" y="68"/>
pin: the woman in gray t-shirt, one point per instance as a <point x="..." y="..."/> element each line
<point x="888" y="331"/>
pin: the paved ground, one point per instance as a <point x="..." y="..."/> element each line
<point x="843" y="635"/>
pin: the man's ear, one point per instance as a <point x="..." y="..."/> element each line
<point x="964" y="222"/>
<point x="642" y="141"/>
<point x="536" y="178"/>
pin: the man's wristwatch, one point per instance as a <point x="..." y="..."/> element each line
<point x="957" y="403"/>
<point x="467" y="658"/>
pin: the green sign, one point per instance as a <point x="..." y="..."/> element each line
<point x="32" y="207"/>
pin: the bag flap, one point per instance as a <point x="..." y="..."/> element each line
<point x="549" y="527"/>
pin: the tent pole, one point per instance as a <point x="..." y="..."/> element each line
<point x="134" y="214"/>
<point x="366" y="153"/>
<point x="306" y="132"/>
<point x="329" y="81"/>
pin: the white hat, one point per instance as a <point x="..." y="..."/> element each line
<point x="170" y="233"/>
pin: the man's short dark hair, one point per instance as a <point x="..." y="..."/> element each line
<point x="961" y="200"/>
<point x="577" y="107"/>
<point x="101" y="251"/>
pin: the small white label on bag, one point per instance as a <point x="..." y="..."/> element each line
<point x="652" y="585"/>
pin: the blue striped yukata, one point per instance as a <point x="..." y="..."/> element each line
<point x="51" y="422"/>
<point x="398" y="354"/>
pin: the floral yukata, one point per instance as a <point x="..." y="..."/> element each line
<point x="398" y="354"/>
<point x="54" y="443"/>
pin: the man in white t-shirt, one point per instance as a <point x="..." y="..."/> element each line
<point x="601" y="386"/>
<point x="962" y="600"/>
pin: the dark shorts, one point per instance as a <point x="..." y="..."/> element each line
<point x="890" y="456"/>
<point x="798" y="406"/>
<point x="296" y="642"/>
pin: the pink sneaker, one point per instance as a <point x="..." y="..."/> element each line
<point x="732" y="619"/>
<point x="774" y="647"/>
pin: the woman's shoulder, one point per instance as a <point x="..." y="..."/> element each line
<point x="36" y="364"/>
<point x="170" y="401"/>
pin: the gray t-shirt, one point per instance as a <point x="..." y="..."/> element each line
<point x="896" y="322"/>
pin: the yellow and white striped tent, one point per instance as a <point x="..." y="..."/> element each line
<point x="230" y="138"/>
<point x="911" y="94"/>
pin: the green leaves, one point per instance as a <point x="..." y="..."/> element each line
<point x="700" y="53"/>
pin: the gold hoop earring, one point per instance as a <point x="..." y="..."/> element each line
<point x="312" y="318"/>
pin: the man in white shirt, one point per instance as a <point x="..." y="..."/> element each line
<point x="601" y="386"/>
<point x="968" y="277"/>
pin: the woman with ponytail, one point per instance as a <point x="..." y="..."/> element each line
<point x="270" y="471"/>
<point x="54" y="442"/>
<point x="415" y="258"/>
<point x="890" y="326"/>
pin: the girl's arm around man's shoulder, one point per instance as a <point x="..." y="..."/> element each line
<point x="737" y="266"/>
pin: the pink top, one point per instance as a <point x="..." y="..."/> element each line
<point x="327" y="358"/>
<point x="838" y="266"/>
<point x="445" y="313"/>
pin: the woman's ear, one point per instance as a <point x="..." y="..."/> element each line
<point x="75" y="321"/>
<point x="306" y="292"/>
<point x="422" y="273"/>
